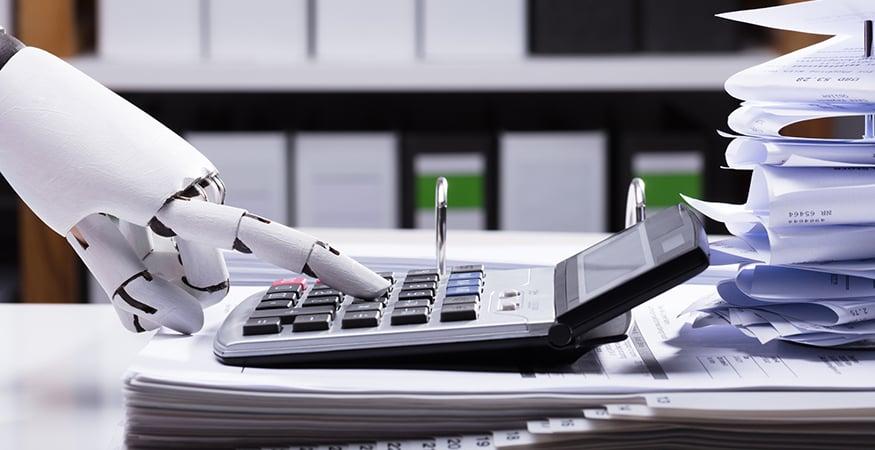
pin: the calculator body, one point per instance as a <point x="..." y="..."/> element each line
<point x="541" y="314"/>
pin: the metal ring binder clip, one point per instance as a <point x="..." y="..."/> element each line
<point x="869" y="127"/>
<point x="636" y="203"/>
<point x="440" y="224"/>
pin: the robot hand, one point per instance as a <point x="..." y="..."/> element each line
<point x="109" y="177"/>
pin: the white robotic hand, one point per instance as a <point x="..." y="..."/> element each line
<point x="109" y="177"/>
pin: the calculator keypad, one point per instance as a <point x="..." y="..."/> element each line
<point x="422" y="294"/>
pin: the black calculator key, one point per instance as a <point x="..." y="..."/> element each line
<point x="416" y="286"/>
<point x="412" y="295"/>
<point x="419" y="303"/>
<point x="461" y="300"/>
<point x="312" y="322"/>
<point x="467" y="276"/>
<point x="406" y="316"/>
<point x="324" y="293"/>
<point x="294" y="288"/>
<point x="320" y="286"/>
<point x="369" y="306"/>
<point x="463" y="290"/>
<point x="422" y="272"/>
<point x="275" y="304"/>
<point x="389" y="276"/>
<point x="468" y="268"/>
<point x="382" y="300"/>
<point x="286" y="316"/>
<point x="422" y="279"/>
<point x="267" y="325"/>
<point x="464" y="282"/>
<point x="462" y="311"/>
<point x="361" y="319"/>
<point x="280" y="296"/>
<point x="305" y="310"/>
<point x="332" y="300"/>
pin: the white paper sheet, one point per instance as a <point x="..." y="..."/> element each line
<point x="829" y="17"/>
<point x="747" y="153"/>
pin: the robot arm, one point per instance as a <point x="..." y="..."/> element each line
<point x="141" y="207"/>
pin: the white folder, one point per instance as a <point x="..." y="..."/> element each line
<point x="264" y="31"/>
<point x="474" y="29"/>
<point x="362" y="31"/>
<point x="149" y="30"/>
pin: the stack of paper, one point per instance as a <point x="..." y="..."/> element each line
<point x="806" y="235"/>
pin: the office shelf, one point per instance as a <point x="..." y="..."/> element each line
<point x="694" y="72"/>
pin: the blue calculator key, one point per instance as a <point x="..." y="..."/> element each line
<point x="468" y="268"/>
<point x="464" y="282"/>
<point x="466" y="276"/>
<point x="463" y="290"/>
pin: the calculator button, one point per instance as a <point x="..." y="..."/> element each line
<point x="381" y="300"/>
<point x="416" y="286"/>
<point x="275" y="304"/>
<point x="422" y="279"/>
<point x="369" y="306"/>
<point x="405" y="316"/>
<point x="294" y="289"/>
<point x="267" y="325"/>
<point x="280" y="296"/>
<point x="332" y="300"/>
<point x="461" y="300"/>
<point x="324" y="293"/>
<point x="462" y="311"/>
<point x="306" y="310"/>
<point x="420" y="303"/>
<point x="312" y="322"/>
<point x="468" y="268"/>
<point x="464" y="282"/>
<point x="467" y="276"/>
<point x="412" y="295"/>
<point x="288" y="281"/>
<point x="463" y="290"/>
<point x="286" y="316"/>
<point x="361" y="319"/>
<point x="319" y="286"/>
<point x="389" y="276"/>
<point x="423" y="272"/>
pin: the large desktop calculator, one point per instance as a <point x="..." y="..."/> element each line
<point x="468" y="311"/>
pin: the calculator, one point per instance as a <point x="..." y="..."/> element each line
<point x="468" y="312"/>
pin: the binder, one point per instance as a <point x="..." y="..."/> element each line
<point x="482" y="29"/>
<point x="263" y="31"/>
<point x="468" y="163"/>
<point x="583" y="26"/>
<point x="688" y="26"/>
<point x="553" y="181"/>
<point x="254" y="168"/>
<point x="346" y="180"/>
<point x="165" y="30"/>
<point x="364" y="31"/>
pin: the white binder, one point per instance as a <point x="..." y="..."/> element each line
<point x="482" y="29"/>
<point x="149" y="30"/>
<point x="363" y="31"/>
<point x="263" y="31"/>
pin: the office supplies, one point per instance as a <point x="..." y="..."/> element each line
<point x="338" y="178"/>
<point x="126" y="31"/>
<point x="537" y="168"/>
<point x="378" y="30"/>
<point x="254" y="165"/>
<point x="582" y="26"/>
<point x="485" y="29"/>
<point x="262" y="31"/>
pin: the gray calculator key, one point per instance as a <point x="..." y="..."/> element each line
<point x="416" y="286"/>
<point x="294" y="288"/>
<point x="275" y="304"/>
<point x="422" y="279"/>
<point x="280" y="296"/>
<point x="286" y="316"/>
<point x="320" y="287"/>
<point x="389" y="276"/>
<point x="405" y="316"/>
<point x="463" y="290"/>
<point x="420" y="272"/>
<point x="468" y="268"/>
<point x="463" y="311"/>
<point x="305" y="310"/>
<point x="312" y="322"/>
<point x="267" y="325"/>
<point x="411" y="295"/>
<point x="324" y="293"/>
<point x="418" y="303"/>
<point x="461" y="299"/>
<point x="369" y="306"/>
<point x="464" y="282"/>
<point x="467" y="276"/>
<point x="321" y="301"/>
<point x="382" y="300"/>
<point x="361" y="319"/>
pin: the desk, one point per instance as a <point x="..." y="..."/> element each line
<point x="62" y="364"/>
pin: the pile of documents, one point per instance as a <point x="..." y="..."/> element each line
<point x="805" y="238"/>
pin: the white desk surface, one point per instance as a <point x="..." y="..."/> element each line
<point x="61" y="368"/>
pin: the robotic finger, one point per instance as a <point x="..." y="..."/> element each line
<point x="227" y="227"/>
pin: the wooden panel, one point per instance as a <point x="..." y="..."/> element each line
<point x="49" y="25"/>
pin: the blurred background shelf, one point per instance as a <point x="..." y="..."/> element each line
<point x="687" y="72"/>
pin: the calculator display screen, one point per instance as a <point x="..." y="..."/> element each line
<point x="607" y="263"/>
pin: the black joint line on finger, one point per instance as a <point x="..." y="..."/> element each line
<point x="134" y="303"/>
<point x="328" y="247"/>
<point x="253" y="216"/>
<point x="240" y="246"/>
<point x="160" y="229"/>
<point x="137" y="325"/>
<point x="225" y="285"/>
<point x="79" y="238"/>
